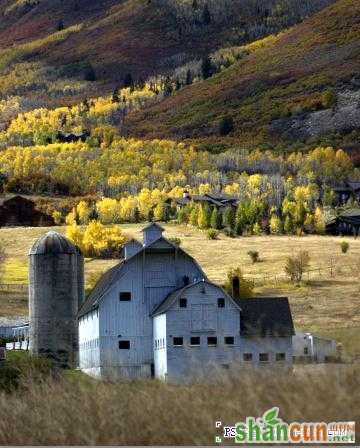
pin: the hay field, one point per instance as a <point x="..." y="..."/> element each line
<point x="328" y="301"/>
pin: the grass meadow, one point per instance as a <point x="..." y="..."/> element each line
<point x="73" y="409"/>
<point x="326" y="302"/>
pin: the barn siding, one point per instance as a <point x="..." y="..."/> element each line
<point x="150" y="277"/>
<point x="89" y="343"/>
<point x="268" y="344"/>
<point x="187" y="360"/>
<point x="160" y="346"/>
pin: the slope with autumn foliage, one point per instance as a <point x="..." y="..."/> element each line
<point x="87" y="47"/>
<point x="301" y="86"/>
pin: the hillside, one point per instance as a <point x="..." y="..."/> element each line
<point x="55" y="52"/>
<point x="302" y="86"/>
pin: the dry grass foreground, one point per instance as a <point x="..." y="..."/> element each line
<point x="81" y="411"/>
<point x="325" y="304"/>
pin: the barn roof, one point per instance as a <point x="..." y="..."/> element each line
<point x="53" y="243"/>
<point x="265" y="316"/>
<point x="173" y="296"/>
<point x="16" y="197"/>
<point x="101" y="287"/>
<point x="112" y="275"/>
<point x="153" y="225"/>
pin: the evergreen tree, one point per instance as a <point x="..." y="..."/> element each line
<point x="206" y="16"/>
<point x="115" y="96"/>
<point x="128" y="81"/>
<point x="226" y="125"/>
<point x="288" y="225"/>
<point x="228" y="218"/>
<point x="194" y="216"/>
<point x="189" y="78"/>
<point x="206" y="68"/>
<point x="90" y="74"/>
<point x="216" y="219"/>
<point x="60" y="25"/>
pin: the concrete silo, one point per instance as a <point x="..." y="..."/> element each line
<point x="56" y="288"/>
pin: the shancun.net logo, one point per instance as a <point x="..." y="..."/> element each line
<point x="270" y="428"/>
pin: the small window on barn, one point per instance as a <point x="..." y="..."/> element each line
<point x="125" y="296"/>
<point x="195" y="340"/>
<point x="212" y="341"/>
<point x="124" y="345"/>
<point x="178" y="342"/>
<point x="229" y="340"/>
<point x="306" y="351"/>
<point x="183" y="303"/>
<point x="247" y="356"/>
<point x="221" y="303"/>
<point x="280" y="357"/>
<point x="263" y="357"/>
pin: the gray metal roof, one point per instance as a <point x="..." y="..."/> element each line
<point x="53" y="243"/>
<point x="112" y="275"/>
<point x="172" y="297"/>
<point x="266" y="316"/>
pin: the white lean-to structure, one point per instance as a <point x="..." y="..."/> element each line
<point x="156" y="314"/>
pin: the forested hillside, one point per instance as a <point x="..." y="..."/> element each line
<point x="55" y="52"/>
<point x="292" y="91"/>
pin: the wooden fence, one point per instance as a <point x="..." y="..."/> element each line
<point x="316" y="273"/>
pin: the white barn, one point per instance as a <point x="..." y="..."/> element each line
<point x="156" y="314"/>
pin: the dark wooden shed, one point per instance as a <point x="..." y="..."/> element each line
<point x="20" y="211"/>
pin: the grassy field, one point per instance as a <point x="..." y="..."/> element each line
<point x="324" y="303"/>
<point x="73" y="409"/>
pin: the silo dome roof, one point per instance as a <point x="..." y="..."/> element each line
<point x="53" y="243"/>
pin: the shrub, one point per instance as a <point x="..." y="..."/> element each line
<point x="246" y="287"/>
<point x="254" y="255"/>
<point x="275" y="225"/>
<point x="344" y="246"/>
<point x="296" y="266"/>
<point x="230" y="232"/>
<point x="226" y="126"/>
<point x="212" y="234"/>
<point x="21" y="369"/>
<point x="176" y="241"/>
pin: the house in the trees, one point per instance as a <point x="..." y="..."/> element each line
<point x="20" y="211"/>
<point x="346" y="223"/>
<point x="220" y="201"/>
<point x="69" y="137"/>
<point x="157" y="314"/>
<point x="349" y="190"/>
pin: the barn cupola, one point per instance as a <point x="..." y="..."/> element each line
<point x="151" y="233"/>
<point x="131" y="248"/>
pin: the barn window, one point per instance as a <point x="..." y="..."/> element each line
<point x="125" y="296"/>
<point x="229" y="340"/>
<point x="178" y="342"/>
<point x="212" y="341"/>
<point x="186" y="280"/>
<point x="280" y="357"/>
<point x="306" y="351"/>
<point x="247" y="356"/>
<point x="183" y="303"/>
<point x="263" y="357"/>
<point x="124" y="345"/>
<point x="221" y="303"/>
<point x="195" y="340"/>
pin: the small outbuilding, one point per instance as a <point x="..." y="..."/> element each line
<point x="313" y="349"/>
